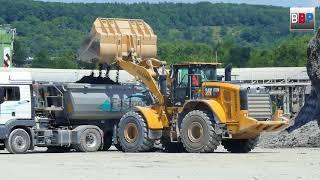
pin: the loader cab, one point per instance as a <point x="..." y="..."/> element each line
<point x="187" y="79"/>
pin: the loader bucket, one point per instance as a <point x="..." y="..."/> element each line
<point x="112" y="38"/>
<point x="251" y="128"/>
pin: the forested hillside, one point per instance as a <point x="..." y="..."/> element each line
<point x="246" y="35"/>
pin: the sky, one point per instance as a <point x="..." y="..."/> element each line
<point x="286" y="3"/>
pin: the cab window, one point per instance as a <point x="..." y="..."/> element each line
<point x="183" y="77"/>
<point x="210" y="74"/>
<point x="10" y="93"/>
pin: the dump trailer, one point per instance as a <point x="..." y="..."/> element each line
<point x="193" y="111"/>
<point x="62" y="116"/>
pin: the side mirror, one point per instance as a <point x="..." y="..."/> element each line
<point x="2" y="91"/>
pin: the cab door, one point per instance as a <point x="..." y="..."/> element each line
<point x="180" y="87"/>
<point x="16" y="103"/>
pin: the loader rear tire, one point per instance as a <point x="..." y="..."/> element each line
<point x="90" y="141"/>
<point x="133" y="133"/>
<point x="198" y="134"/>
<point x="18" y="142"/>
<point x="240" y="145"/>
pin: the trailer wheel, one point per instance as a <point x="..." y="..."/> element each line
<point x="240" y="145"/>
<point x="18" y="142"/>
<point x="197" y="132"/>
<point x="133" y="133"/>
<point x="90" y="141"/>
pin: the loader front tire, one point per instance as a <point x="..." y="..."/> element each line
<point x="198" y="134"/>
<point x="240" y="145"/>
<point x="133" y="133"/>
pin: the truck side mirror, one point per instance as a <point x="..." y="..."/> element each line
<point x="2" y="91"/>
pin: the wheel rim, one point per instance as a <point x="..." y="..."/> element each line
<point x="91" y="140"/>
<point x="195" y="132"/>
<point x="131" y="133"/>
<point x="19" y="142"/>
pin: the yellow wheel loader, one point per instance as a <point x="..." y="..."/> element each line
<point x="193" y="111"/>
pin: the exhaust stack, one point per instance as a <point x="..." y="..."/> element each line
<point x="227" y="72"/>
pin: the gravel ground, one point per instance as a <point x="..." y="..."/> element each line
<point x="306" y="136"/>
<point x="261" y="164"/>
<point x="271" y="160"/>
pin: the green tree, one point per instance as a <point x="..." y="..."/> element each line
<point x="238" y="56"/>
<point x="247" y="35"/>
<point x="261" y="58"/>
<point x="19" y="55"/>
<point x="41" y="60"/>
<point x="2" y="21"/>
<point x="185" y="52"/>
<point x="292" y="52"/>
<point x="65" y="61"/>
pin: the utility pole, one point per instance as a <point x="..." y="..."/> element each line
<point x="216" y="56"/>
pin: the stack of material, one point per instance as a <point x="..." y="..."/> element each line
<point x="311" y="109"/>
<point x="96" y="80"/>
<point x="306" y="136"/>
<point x="304" y="132"/>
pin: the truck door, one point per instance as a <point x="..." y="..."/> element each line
<point x="16" y="103"/>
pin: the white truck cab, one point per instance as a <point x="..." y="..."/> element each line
<point x="15" y="104"/>
<point x="15" y="97"/>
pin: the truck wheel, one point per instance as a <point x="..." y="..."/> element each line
<point x="90" y="141"/>
<point x="240" y="145"/>
<point x="133" y="133"/>
<point x="198" y="134"/>
<point x="172" y="147"/>
<point x="18" y="142"/>
<point x="107" y="141"/>
<point x="57" y="149"/>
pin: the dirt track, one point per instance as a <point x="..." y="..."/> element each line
<point x="284" y="164"/>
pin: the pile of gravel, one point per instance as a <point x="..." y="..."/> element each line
<point x="96" y="80"/>
<point x="306" y="136"/>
